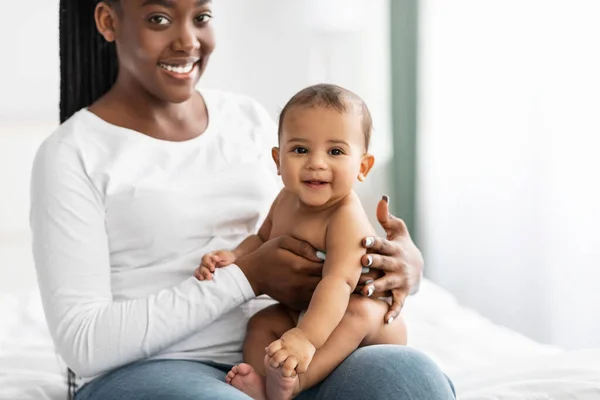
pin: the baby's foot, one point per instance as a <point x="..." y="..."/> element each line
<point x="244" y="378"/>
<point x="278" y="386"/>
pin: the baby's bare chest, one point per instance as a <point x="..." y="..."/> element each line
<point x="309" y="228"/>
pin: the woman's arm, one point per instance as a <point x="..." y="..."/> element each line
<point x="93" y="332"/>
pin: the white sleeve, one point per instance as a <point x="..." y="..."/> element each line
<point x="92" y="332"/>
<point x="269" y="136"/>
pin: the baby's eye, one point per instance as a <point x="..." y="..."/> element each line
<point x="300" y="150"/>
<point x="203" y="18"/>
<point x="158" y="20"/>
<point x="336" y="152"/>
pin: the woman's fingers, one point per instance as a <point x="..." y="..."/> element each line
<point x="393" y="226"/>
<point x="398" y="299"/>
<point x="379" y="245"/>
<point x="383" y="263"/>
<point x="299" y="248"/>
<point x="385" y="283"/>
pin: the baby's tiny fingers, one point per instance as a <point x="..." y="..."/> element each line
<point x="274" y="348"/>
<point x="289" y="367"/>
<point x="198" y="274"/>
<point x="280" y="357"/>
<point x="302" y="367"/>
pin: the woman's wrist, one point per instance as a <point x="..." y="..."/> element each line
<point x="245" y="264"/>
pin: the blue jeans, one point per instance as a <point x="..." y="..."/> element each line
<point x="374" y="372"/>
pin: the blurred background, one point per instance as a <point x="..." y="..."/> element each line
<point x="487" y="133"/>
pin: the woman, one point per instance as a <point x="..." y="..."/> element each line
<point x="143" y="177"/>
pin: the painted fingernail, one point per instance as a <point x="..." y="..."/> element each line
<point x="369" y="282"/>
<point x="369" y="241"/>
<point x="321" y="255"/>
<point x="365" y="270"/>
<point x="390" y="320"/>
<point x="369" y="260"/>
<point x="371" y="290"/>
<point x="386" y="198"/>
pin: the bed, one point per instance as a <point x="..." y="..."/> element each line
<point x="485" y="361"/>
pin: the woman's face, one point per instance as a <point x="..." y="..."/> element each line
<point x="163" y="45"/>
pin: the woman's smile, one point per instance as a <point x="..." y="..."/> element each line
<point x="183" y="69"/>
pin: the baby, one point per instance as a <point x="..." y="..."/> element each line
<point x="324" y="133"/>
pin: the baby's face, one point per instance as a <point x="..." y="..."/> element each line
<point x="321" y="153"/>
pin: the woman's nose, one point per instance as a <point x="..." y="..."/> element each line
<point x="187" y="39"/>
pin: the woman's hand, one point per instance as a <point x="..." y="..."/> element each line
<point x="285" y="268"/>
<point x="397" y="257"/>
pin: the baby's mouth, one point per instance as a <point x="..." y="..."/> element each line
<point x="315" y="184"/>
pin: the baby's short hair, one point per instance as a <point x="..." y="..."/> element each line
<point x="334" y="97"/>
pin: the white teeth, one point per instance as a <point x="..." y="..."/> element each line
<point x="180" y="69"/>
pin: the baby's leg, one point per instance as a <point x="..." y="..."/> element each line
<point x="264" y="328"/>
<point x="361" y="325"/>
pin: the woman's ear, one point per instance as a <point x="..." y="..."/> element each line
<point x="106" y="21"/>
<point x="365" y="166"/>
<point x="275" y="155"/>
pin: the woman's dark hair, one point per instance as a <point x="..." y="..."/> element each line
<point x="88" y="64"/>
<point x="88" y="68"/>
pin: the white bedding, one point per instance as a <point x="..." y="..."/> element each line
<point x="484" y="361"/>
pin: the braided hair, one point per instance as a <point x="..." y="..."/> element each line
<point x="88" y="64"/>
<point x="88" y="69"/>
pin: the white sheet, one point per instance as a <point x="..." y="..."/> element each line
<point x="29" y="367"/>
<point x="488" y="362"/>
<point x="484" y="361"/>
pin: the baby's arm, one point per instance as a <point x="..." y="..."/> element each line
<point x="223" y="258"/>
<point x="341" y="272"/>
<point x="253" y="242"/>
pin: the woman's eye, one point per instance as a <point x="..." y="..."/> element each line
<point x="300" y="150"/>
<point x="336" y="152"/>
<point x="158" y="20"/>
<point x="203" y="18"/>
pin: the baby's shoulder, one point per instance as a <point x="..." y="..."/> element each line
<point x="349" y="205"/>
<point x="349" y="212"/>
<point x="284" y="199"/>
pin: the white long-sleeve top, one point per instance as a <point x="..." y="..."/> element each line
<point x="120" y="221"/>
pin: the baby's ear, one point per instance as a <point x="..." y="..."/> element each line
<point x="275" y="155"/>
<point x="365" y="166"/>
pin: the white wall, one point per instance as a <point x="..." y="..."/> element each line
<point x="29" y="68"/>
<point x="270" y="49"/>
<point x="266" y="48"/>
<point x="509" y="137"/>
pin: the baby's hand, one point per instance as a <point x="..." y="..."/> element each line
<point x="293" y="353"/>
<point x="211" y="261"/>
